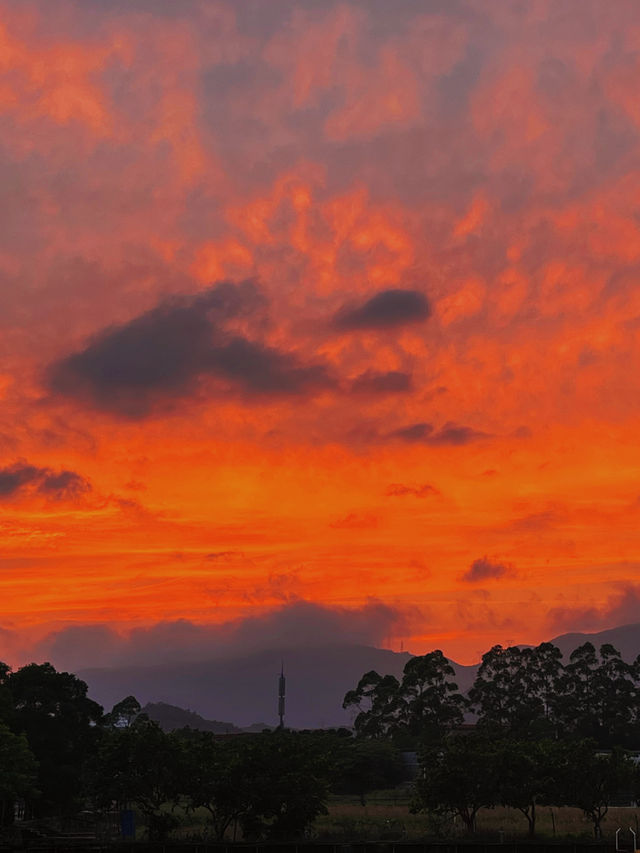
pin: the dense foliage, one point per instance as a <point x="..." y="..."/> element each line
<point x="543" y="732"/>
<point x="60" y="754"/>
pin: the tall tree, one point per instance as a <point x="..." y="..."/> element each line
<point x="142" y="766"/>
<point x="543" y="673"/>
<point x="459" y="777"/>
<point x="6" y="702"/>
<point x="528" y="774"/>
<point x="594" y="779"/>
<point x="289" y="774"/>
<point x="426" y="703"/>
<point x="499" y="693"/>
<point x="516" y="690"/>
<point x="18" y="771"/>
<point x="617" y="694"/>
<point x="60" y="723"/>
<point x="361" y="766"/>
<point x="216" y="778"/>
<point x="429" y="701"/>
<point x="377" y="699"/>
<point x="598" y="696"/>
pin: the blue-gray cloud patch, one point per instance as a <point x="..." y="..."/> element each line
<point x="389" y="382"/>
<point x="163" y="355"/>
<point x="385" y="310"/>
<point x="55" y="485"/>
<point x="484" y="569"/>
<point x="450" y="434"/>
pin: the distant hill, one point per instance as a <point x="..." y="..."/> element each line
<point x="170" y="717"/>
<point x="244" y="690"/>
<point x="626" y="639"/>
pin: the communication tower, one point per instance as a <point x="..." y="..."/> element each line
<point x="281" y="692"/>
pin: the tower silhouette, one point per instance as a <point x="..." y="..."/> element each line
<point x="281" y="692"/>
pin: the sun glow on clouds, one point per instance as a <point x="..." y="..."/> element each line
<point x="319" y="302"/>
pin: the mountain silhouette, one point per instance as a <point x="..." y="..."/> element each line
<point x="243" y="690"/>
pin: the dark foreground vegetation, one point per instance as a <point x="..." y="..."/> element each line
<point x="545" y="736"/>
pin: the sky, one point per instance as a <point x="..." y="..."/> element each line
<point x="319" y="321"/>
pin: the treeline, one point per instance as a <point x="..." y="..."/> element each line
<point x="60" y="754"/>
<point x="531" y="731"/>
<point x="544" y="732"/>
<point x="527" y="692"/>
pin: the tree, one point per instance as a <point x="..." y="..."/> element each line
<point x="123" y="713"/>
<point x="60" y="723"/>
<point x="593" y="779"/>
<point x="459" y="777"/>
<point x="362" y="766"/>
<point x="216" y="778"/>
<point x="528" y="771"/>
<point x="598" y="696"/>
<point x="542" y="676"/>
<point x="18" y="770"/>
<point x="6" y="702"/>
<point x="430" y="704"/>
<point x="616" y="695"/>
<point x="376" y="698"/>
<point x="499" y="694"/>
<point x="288" y="773"/>
<point x="140" y="765"/>
<point x="426" y="703"/>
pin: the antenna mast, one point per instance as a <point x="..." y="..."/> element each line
<point x="281" y="692"/>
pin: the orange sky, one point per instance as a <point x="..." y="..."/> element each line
<point x="331" y="302"/>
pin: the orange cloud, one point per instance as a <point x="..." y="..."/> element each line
<point x="437" y="212"/>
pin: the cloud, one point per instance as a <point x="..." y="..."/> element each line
<point x="450" y="434"/>
<point x="55" y="485"/>
<point x="484" y="569"/>
<point x="414" y="432"/>
<point x="391" y="382"/>
<point x="222" y="555"/>
<point x="620" y="608"/>
<point x="163" y="354"/>
<point x="386" y="310"/>
<point x="399" y="490"/>
<point x="299" y="623"/>
<point x="356" y="521"/>
<point x="536" y="521"/>
<point x="455" y="434"/>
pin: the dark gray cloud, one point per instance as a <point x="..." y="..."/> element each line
<point x="620" y="608"/>
<point x="222" y="555"/>
<point x="296" y="624"/>
<point x="163" y="355"/>
<point x="14" y="477"/>
<point x="385" y="310"/>
<point x="391" y="382"/>
<point x="55" y="485"/>
<point x="484" y="569"/>
<point x="450" y="434"/>
<point x="414" y="432"/>
<point x="536" y="521"/>
<point x="399" y="490"/>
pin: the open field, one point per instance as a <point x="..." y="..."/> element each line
<point x="386" y="816"/>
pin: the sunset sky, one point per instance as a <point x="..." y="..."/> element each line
<point x="320" y="320"/>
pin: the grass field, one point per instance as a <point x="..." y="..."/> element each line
<point x="386" y="816"/>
